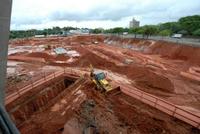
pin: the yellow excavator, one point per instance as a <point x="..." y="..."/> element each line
<point x="99" y="79"/>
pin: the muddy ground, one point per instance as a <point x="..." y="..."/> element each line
<point x="168" y="70"/>
<point x="84" y="108"/>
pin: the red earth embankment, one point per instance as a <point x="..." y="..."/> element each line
<point x="176" y="51"/>
<point x="165" y="49"/>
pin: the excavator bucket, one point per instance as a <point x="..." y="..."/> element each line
<point x="114" y="91"/>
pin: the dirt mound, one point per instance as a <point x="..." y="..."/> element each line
<point x="87" y="39"/>
<point x="163" y="48"/>
<point x="144" y="78"/>
<point x="40" y="55"/>
<point x="154" y="82"/>
<point x="132" y="41"/>
<point x="61" y="57"/>
<point x="176" y="51"/>
<point x="90" y="58"/>
<point x="48" y="57"/>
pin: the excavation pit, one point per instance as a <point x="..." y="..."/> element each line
<point x="39" y="98"/>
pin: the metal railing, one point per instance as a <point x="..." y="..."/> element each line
<point x="167" y="107"/>
<point x="156" y="102"/>
<point x="17" y="92"/>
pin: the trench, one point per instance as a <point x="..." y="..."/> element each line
<point x="40" y="99"/>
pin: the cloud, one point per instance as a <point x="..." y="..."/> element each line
<point x="98" y="13"/>
<point x="106" y="12"/>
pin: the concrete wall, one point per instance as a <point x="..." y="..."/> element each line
<point x="5" y="14"/>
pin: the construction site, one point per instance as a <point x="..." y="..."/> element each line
<point x="100" y="84"/>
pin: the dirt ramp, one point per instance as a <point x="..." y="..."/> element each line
<point x="154" y="83"/>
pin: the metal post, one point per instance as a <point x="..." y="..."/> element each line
<point x="5" y="13"/>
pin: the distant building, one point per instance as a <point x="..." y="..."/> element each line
<point x="79" y="31"/>
<point x="65" y="33"/>
<point x="134" y="23"/>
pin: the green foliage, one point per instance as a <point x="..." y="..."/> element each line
<point x="190" y="23"/>
<point x="140" y="31"/>
<point x="165" y="32"/>
<point x="150" y="30"/>
<point x="97" y="31"/>
<point x="196" y="32"/>
<point x="118" y="30"/>
<point x="33" y="32"/>
<point x="133" y="30"/>
<point x="22" y="34"/>
<point x="172" y="26"/>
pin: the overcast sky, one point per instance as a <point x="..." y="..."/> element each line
<point x="39" y="14"/>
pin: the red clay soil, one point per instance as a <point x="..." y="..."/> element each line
<point x="155" y="68"/>
<point x="74" y="114"/>
<point x="48" y="57"/>
<point x="107" y="53"/>
<point x="40" y="55"/>
<point x="27" y="59"/>
<point x="85" y="39"/>
<point x="174" y="51"/>
<point x="134" y="42"/>
<point x="61" y="57"/>
<point x="144" y="78"/>
<point x="165" y="49"/>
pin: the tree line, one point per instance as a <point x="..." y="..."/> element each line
<point x="187" y="26"/>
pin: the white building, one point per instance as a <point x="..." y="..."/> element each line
<point x="79" y="31"/>
<point x="134" y="23"/>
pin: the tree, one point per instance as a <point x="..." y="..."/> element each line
<point x="118" y="30"/>
<point x="196" y="32"/>
<point x="57" y="30"/>
<point x="149" y="30"/>
<point x="183" y="32"/>
<point x="190" y="23"/>
<point x="165" y="33"/>
<point x="134" y="31"/>
<point x="172" y="26"/>
<point x="69" y="28"/>
<point x="97" y="30"/>
<point x="141" y="30"/>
